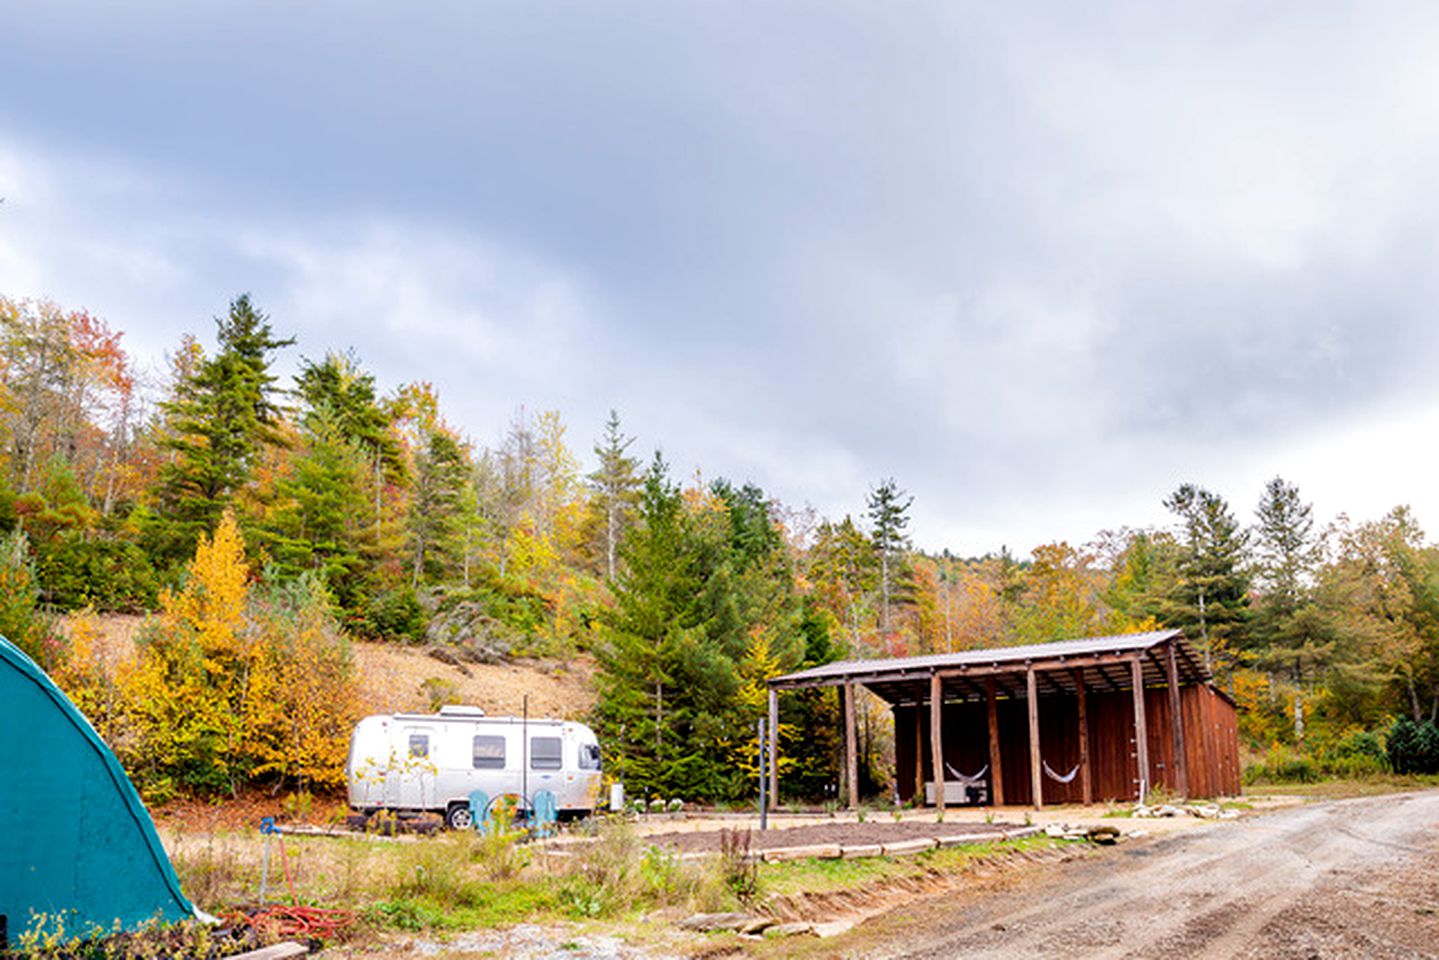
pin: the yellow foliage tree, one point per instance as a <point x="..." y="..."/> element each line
<point x="227" y="687"/>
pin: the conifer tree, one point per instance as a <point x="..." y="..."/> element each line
<point x="436" y="506"/>
<point x="1209" y="599"/>
<point x="616" y="486"/>
<point x="220" y="419"/>
<point x="888" y="508"/>
<point x="1290" y="633"/>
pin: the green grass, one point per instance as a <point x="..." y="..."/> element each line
<point x="1338" y="789"/>
<point x="826" y="876"/>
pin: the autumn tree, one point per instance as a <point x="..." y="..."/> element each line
<point x="843" y="572"/>
<point x="226" y="687"/>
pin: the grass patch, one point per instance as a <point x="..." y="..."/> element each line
<point x="1344" y="788"/>
<point x="826" y="876"/>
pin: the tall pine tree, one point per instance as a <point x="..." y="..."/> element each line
<point x="615" y="484"/>
<point x="888" y="516"/>
<point x="1210" y="596"/>
<point x="221" y="417"/>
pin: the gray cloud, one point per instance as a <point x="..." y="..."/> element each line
<point x="1039" y="265"/>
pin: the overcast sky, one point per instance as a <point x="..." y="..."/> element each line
<point x="1040" y="267"/>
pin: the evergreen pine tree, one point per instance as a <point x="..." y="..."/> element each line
<point x="616" y="486"/>
<point x="888" y="507"/>
<point x="220" y="418"/>
<point x="436" y="506"/>
<point x="1290" y="634"/>
<point x="1209" y="599"/>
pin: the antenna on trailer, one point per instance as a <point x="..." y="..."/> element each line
<point x="525" y="750"/>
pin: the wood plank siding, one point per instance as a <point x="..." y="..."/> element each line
<point x="1211" y="743"/>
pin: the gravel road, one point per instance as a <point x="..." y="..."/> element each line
<point x="1349" y="878"/>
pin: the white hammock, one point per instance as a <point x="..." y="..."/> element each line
<point x="970" y="780"/>
<point x="1066" y="778"/>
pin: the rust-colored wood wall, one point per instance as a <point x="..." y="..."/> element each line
<point x="1211" y="744"/>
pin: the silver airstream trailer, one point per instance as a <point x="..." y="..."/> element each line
<point x="431" y="762"/>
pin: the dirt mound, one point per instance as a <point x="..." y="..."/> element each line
<point x="394" y="678"/>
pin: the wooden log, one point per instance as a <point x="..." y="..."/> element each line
<point x="918" y="755"/>
<point x="1176" y="724"/>
<point x="278" y="951"/>
<point x="773" y="748"/>
<point x="1086" y="782"/>
<point x="851" y="750"/>
<point x="1036" y="776"/>
<point x="996" y="763"/>
<point x="936" y="736"/>
<point x="1141" y="727"/>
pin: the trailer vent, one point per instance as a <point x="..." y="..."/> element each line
<point x="458" y="710"/>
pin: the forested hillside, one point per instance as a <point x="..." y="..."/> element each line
<point x="265" y="522"/>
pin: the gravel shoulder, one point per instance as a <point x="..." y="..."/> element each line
<point x="1340" y="878"/>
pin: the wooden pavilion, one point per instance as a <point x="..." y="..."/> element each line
<point x="1074" y="721"/>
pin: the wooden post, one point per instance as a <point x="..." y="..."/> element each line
<point x="773" y="748"/>
<point x="1141" y="729"/>
<point x="936" y="736"/>
<point x="851" y="749"/>
<point x="996" y="763"/>
<point x="1176" y="724"/>
<point x="1036" y="776"/>
<point x="1086" y="784"/>
<point x="918" y="755"/>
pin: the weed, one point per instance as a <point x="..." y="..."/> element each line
<point x="297" y="805"/>
<point x="741" y="874"/>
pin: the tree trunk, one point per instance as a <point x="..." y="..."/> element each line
<point x="610" y="538"/>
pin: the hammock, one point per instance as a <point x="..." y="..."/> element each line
<point x="1065" y="778"/>
<point x="970" y="780"/>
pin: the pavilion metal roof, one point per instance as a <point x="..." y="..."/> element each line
<point x="1103" y="662"/>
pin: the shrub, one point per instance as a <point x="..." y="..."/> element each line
<point x="394" y="615"/>
<point x="1282" y="765"/>
<point x="104" y="574"/>
<point x="227" y="686"/>
<point x="21" y="621"/>
<point x="1404" y="746"/>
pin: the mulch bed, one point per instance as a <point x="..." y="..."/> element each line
<point x="850" y="834"/>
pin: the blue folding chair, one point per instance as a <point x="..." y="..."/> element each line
<point x="479" y="810"/>
<point x="546" y="814"/>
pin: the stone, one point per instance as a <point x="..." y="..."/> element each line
<point x="707" y="922"/>
<point x="1103" y="834"/>
<point x="815" y="851"/>
<point x="906" y="848"/>
<point x="791" y="930"/>
<point x="861" y="850"/>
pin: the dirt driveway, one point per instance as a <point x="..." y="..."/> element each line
<point x="1348" y="878"/>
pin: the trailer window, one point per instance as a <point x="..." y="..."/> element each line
<point x="489" y="753"/>
<point x="589" y="756"/>
<point x="419" y="745"/>
<point x="546" y="753"/>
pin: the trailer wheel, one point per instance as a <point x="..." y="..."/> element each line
<point x="458" y="816"/>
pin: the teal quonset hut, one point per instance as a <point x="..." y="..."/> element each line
<point x="77" y="842"/>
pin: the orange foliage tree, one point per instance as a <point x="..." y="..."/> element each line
<point x="232" y="684"/>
